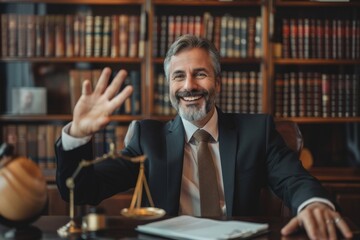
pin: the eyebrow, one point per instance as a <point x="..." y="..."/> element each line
<point x="194" y="70"/>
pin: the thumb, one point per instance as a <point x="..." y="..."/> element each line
<point x="291" y="227"/>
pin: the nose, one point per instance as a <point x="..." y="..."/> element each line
<point x="190" y="83"/>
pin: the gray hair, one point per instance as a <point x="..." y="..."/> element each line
<point x="189" y="42"/>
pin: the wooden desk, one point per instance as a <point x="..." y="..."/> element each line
<point x="123" y="228"/>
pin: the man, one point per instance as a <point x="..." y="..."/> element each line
<point x="247" y="151"/>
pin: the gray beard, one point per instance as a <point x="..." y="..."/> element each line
<point x="192" y="113"/>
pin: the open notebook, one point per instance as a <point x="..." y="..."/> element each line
<point x="188" y="227"/>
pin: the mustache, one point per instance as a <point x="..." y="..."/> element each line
<point x="191" y="93"/>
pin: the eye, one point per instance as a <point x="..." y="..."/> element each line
<point x="178" y="77"/>
<point x="201" y="75"/>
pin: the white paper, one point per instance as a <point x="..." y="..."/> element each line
<point x="188" y="227"/>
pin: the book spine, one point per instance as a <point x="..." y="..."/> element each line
<point x="30" y="35"/>
<point x="293" y="95"/>
<point x="98" y="33"/>
<point x="12" y="30"/>
<point x="134" y="22"/>
<point x="89" y="35"/>
<point x="325" y="90"/>
<point x="49" y="32"/>
<point x="301" y="95"/>
<point x="59" y="36"/>
<point x="114" y="36"/>
<point x="251" y="37"/>
<point x="4" y="35"/>
<point x="293" y="38"/>
<point x="106" y="37"/>
<point x="69" y="35"/>
<point x="237" y="91"/>
<point x="124" y="35"/>
<point x="21" y="35"/>
<point x="285" y="38"/>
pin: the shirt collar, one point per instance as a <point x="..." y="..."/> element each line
<point x="210" y="127"/>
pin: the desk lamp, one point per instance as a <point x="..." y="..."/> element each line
<point x="134" y="211"/>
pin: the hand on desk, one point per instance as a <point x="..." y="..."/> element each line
<point x="93" y="110"/>
<point x="319" y="222"/>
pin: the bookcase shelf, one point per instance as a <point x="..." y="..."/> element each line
<point x="321" y="120"/>
<point x="289" y="61"/>
<point x="62" y="117"/>
<point x="73" y="59"/>
<point x="302" y="3"/>
<point x="208" y="3"/>
<point x="93" y="2"/>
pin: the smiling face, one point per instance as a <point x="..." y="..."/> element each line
<point x="193" y="85"/>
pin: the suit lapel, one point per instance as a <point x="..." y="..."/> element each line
<point x="228" y="147"/>
<point x="175" y="154"/>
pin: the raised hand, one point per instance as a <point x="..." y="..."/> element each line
<point x="93" y="109"/>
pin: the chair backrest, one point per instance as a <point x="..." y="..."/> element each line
<point x="291" y="134"/>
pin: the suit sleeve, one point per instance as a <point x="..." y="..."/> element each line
<point x="286" y="175"/>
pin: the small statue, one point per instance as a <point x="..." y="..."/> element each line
<point x="23" y="194"/>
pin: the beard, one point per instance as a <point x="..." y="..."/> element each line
<point x="193" y="112"/>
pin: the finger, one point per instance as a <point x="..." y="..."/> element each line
<point x="116" y="83"/>
<point x="310" y="224"/>
<point x="86" y="87"/>
<point x="117" y="101"/>
<point x="293" y="225"/>
<point x="322" y="226"/>
<point x="331" y="229"/>
<point x="103" y="81"/>
<point x="343" y="227"/>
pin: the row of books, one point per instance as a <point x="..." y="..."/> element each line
<point x="321" y="38"/>
<point x="238" y="37"/>
<point x="131" y="106"/>
<point x="162" y="104"/>
<point x="72" y="35"/>
<point x="37" y="141"/>
<point x="33" y="141"/>
<point x="241" y="92"/>
<point x="316" y="94"/>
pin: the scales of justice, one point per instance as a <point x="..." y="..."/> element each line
<point x="134" y="211"/>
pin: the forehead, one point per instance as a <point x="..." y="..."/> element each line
<point x="189" y="59"/>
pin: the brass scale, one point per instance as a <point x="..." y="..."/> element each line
<point x="134" y="211"/>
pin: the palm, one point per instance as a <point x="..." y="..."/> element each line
<point x="94" y="108"/>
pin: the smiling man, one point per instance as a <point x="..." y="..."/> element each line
<point x="245" y="150"/>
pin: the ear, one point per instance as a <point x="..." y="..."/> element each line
<point x="218" y="84"/>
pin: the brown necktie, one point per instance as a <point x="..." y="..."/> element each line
<point x="208" y="186"/>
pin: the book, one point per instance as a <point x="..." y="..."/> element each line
<point x="188" y="227"/>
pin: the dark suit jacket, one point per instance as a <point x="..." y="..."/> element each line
<point x="252" y="155"/>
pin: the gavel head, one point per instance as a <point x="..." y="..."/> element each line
<point x="23" y="194"/>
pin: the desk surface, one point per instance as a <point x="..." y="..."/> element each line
<point x="124" y="228"/>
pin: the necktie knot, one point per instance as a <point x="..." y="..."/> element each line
<point x="202" y="136"/>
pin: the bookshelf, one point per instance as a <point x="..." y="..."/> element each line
<point x="252" y="55"/>
<point x="314" y="77"/>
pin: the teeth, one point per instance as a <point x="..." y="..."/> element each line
<point x="191" y="98"/>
